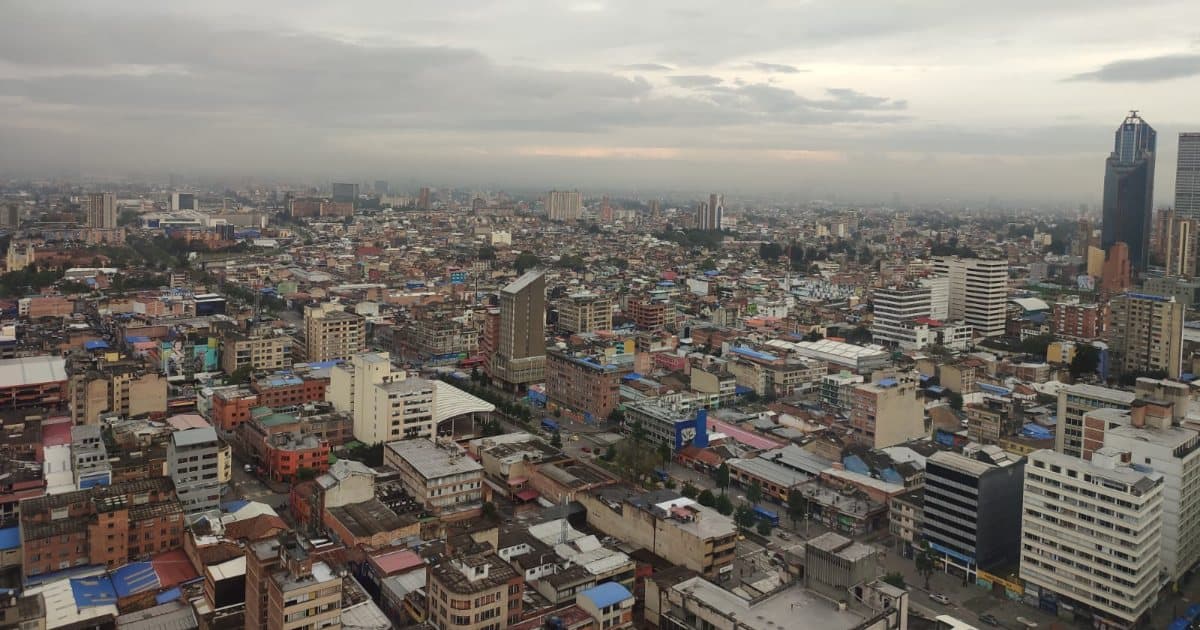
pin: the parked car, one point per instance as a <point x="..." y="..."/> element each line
<point x="248" y="468"/>
<point x="989" y="619"/>
<point x="939" y="598"/>
<point x="782" y="534"/>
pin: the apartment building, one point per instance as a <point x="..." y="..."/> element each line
<point x="332" y="334"/>
<point x="261" y="351"/>
<point x="992" y="419"/>
<point x="564" y="205"/>
<point x="837" y="390"/>
<point x="972" y="510"/>
<point x="519" y="357"/>
<point x="1147" y="334"/>
<point x="587" y="384"/>
<point x="303" y="593"/>
<point x="978" y="292"/>
<point x="668" y="525"/>
<point x="647" y="313"/>
<point x="473" y="591"/>
<point x="194" y="467"/>
<point x="1091" y="535"/>
<point x="585" y="313"/>
<point x="39" y="381"/>
<point x="440" y="475"/>
<point x="888" y="411"/>
<point x="1079" y="322"/>
<point x="1076" y="401"/>
<point x="126" y="387"/>
<point x="435" y="341"/>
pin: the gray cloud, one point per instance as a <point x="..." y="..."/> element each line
<point x="781" y="68"/>
<point x="1147" y="70"/>
<point x="694" y="80"/>
<point x="647" y="67"/>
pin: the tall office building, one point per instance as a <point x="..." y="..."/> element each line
<point x="978" y="292"/>
<point x="896" y="309"/>
<point x="520" y="355"/>
<point x="564" y="205"/>
<point x="1090" y="536"/>
<point x="1146" y="334"/>
<point x="710" y="213"/>
<point x="381" y="187"/>
<point x="12" y="216"/>
<point x="102" y="211"/>
<point x="424" y="199"/>
<point x="345" y="193"/>
<point x="1179" y="244"/>
<point x="1129" y="190"/>
<point x="1187" y="176"/>
<point x="973" y="509"/>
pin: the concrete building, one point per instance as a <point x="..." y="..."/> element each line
<point x="584" y="313"/>
<point x="37" y="381"/>
<point x="127" y="387"/>
<point x="194" y="467"/>
<point x="102" y="211"/>
<point x="992" y="419"/>
<point x="1179" y="243"/>
<point x="668" y="525"/>
<point x="440" y="475"/>
<point x="332" y="334"/>
<point x="1147" y="334"/>
<point x="587" y="384"/>
<point x="1091" y="536"/>
<point x="261" y="351"/>
<point x="564" y="205"/>
<point x="978" y="292"/>
<point x="89" y="457"/>
<point x="520" y="356"/>
<point x="475" y="591"/>
<point x="1079" y="322"/>
<point x="895" y="315"/>
<point x="888" y="411"/>
<point x="906" y="519"/>
<point x="435" y="341"/>
<point x="303" y="593"/>
<point x="1073" y="403"/>
<point x="939" y="296"/>
<point x="1150" y="440"/>
<point x="709" y="214"/>
<point x="837" y="390"/>
<point x="972" y="511"/>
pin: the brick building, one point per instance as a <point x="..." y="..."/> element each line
<point x="278" y="445"/>
<point x="584" y="384"/>
<point x="1079" y="322"/>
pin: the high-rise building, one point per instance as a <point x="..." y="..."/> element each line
<point x="520" y="355"/>
<point x="303" y="592"/>
<point x="1179" y="243"/>
<point x="1187" y="176"/>
<point x="183" y="201"/>
<point x="1074" y="402"/>
<point x="1129" y="190"/>
<point x="939" y="296"/>
<point x="12" y="216"/>
<point x="978" y="292"/>
<point x="1090" y="535"/>
<point x="564" y="205"/>
<point x="192" y="464"/>
<point x="896" y="309"/>
<point x="332" y="334"/>
<point x="1117" y="271"/>
<point x="710" y="213"/>
<point x="973" y="509"/>
<point x="345" y="193"/>
<point x="1146" y="334"/>
<point x="102" y="211"/>
<point x="424" y="198"/>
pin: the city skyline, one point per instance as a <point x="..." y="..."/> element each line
<point x="922" y="103"/>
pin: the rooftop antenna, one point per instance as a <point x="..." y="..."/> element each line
<point x="562" y="538"/>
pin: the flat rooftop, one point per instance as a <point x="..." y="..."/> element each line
<point x="778" y="612"/>
<point x="433" y="461"/>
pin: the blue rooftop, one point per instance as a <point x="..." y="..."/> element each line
<point x="136" y="339"/>
<point x="891" y="476"/>
<point x="233" y="506"/>
<point x="607" y="594"/>
<point x="93" y="591"/>
<point x="10" y="538"/>
<point x="134" y="578"/>
<point x="168" y="596"/>
<point x="95" y="344"/>
<point x="887" y="382"/>
<point x="854" y="463"/>
<point x="994" y="389"/>
<point x="754" y="354"/>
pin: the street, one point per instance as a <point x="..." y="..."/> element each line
<point x="247" y="486"/>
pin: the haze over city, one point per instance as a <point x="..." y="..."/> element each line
<point x="864" y="100"/>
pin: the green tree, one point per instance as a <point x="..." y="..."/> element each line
<point x="797" y="505"/>
<point x="486" y="252"/>
<point x="669" y="484"/>
<point x="724" y="505"/>
<point x="489" y="510"/>
<point x="241" y="376"/>
<point x="895" y="578"/>
<point x="722" y="478"/>
<point x="706" y="498"/>
<point x="926" y="560"/>
<point x="770" y="251"/>
<point x="689" y="491"/>
<point x="754" y="493"/>
<point x="1085" y="361"/>
<point x="744" y="515"/>
<point x="764" y="528"/>
<point x="664" y="454"/>
<point x="305" y="473"/>
<point x="525" y="261"/>
<point x="616" y="416"/>
<point x="956" y="401"/>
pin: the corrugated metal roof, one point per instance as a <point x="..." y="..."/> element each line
<point x="32" y="370"/>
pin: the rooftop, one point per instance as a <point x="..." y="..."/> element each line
<point x="433" y="461"/>
<point x="32" y="370"/>
<point x="369" y="518"/>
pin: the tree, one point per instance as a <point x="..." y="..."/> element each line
<point x="764" y="528"/>
<point x="664" y="454"/>
<point x="956" y="401"/>
<point x="706" y="498"/>
<point x="722" y="478"/>
<point x="241" y="375"/>
<point x="797" y="505"/>
<point x="744" y="516"/>
<point x="724" y="505"/>
<point x="486" y="252"/>
<point x="895" y="578"/>
<point x="525" y="261"/>
<point x="492" y="428"/>
<point x="305" y="473"/>
<point x="1085" y="361"/>
<point x="489" y="510"/>
<point x="925" y="562"/>
<point x="754" y="492"/>
<point x="616" y="416"/>
<point x="770" y="251"/>
<point x="669" y="483"/>
<point x="689" y="490"/>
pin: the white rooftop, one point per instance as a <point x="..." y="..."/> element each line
<point x="32" y="370"/>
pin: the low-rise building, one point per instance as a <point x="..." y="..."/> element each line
<point x="440" y="475"/>
<point x="473" y="591"/>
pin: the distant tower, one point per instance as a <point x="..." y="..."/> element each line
<point x="423" y="199"/>
<point x="1129" y="190"/>
<point x="102" y="211"/>
<point x="710" y="213"/>
<point x="1187" y="176"/>
<point x="520" y="355"/>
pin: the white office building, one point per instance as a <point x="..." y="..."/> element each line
<point x="939" y="296"/>
<point x="896" y="310"/>
<point x="1076" y="401"/>
<point x="978" y="292"/>
<point x="1091" y="535"/>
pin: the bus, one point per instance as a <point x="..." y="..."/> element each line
<point x="767" y="515"/>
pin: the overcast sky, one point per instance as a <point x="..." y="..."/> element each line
<point x="859" y="98"/>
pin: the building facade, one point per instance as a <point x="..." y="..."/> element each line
<point x="972" y="510"/>
<point x="978" y="292"/>
<point x="520" y="356"/>
<point x="474" y="592"/>
<point x="584" y="313"/>
<point x="193" y="464"/>
<point x="1074" y="402"/>
<point x="440" y="475"/>
<point x="1147" y="334"/>
<point x="887" y="412"/>
<point x="1129" y="190"/>
<point x="332" y="334"/>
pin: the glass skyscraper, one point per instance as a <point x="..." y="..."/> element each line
<point x="1129" y="189"/>
<point x="1187" y="176"/>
